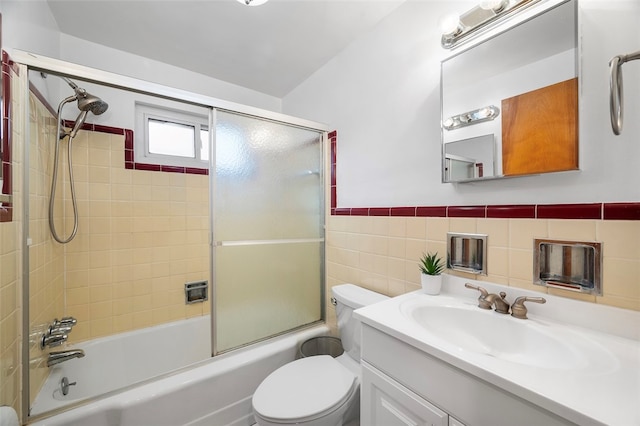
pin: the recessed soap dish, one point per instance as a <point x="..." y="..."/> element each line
<point x="467" y="253"/>
<point x="569" y="265"/>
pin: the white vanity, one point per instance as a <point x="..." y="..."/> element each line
<point x="441" y="360"/>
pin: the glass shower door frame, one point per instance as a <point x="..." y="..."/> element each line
<point x="215" y="243"/>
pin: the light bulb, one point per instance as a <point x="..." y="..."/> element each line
<point x="495" y="5"/>
<point x="450" y="24"/>
<point x="253" y="2"/>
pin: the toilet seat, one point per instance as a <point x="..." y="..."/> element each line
<point x="304" y="390"/>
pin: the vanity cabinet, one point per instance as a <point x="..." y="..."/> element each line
<point x="403" y="385"/>
<point x="386" y="402"/>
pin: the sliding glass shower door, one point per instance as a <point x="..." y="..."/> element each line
<point x="268" y="227"/>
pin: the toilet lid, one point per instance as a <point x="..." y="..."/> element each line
<point x="304" y="389"/>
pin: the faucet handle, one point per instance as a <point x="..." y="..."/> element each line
<point x="518" y="310"/>
<point x="52" y="340"/>
<point x="60" y="329"/>
<point x="68" y="321"/>
<point x="482" y="303"/>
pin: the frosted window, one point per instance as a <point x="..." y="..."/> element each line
<point x="169" y="138"/>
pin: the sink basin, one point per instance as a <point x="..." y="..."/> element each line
<point x="495" y="335"/>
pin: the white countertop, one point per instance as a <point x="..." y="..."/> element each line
<point x="601" y="385"/>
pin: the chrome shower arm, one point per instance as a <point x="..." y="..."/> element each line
<point x="70" y="83"/>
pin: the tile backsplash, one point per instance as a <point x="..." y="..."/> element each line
<point x="381" y="253"/>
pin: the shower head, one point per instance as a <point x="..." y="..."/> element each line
<point x="86" y="103"/>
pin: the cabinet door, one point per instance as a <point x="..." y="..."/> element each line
<point x="387" y="403"/>
<point x="454" y="422"/>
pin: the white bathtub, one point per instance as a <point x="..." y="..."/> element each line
<point x="216" y="391"/>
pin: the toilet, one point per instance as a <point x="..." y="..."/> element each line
<point x="319" y="390"/>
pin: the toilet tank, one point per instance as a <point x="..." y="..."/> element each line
<point x="349" y="297"/>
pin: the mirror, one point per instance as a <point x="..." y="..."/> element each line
<point x="510" y="103"/>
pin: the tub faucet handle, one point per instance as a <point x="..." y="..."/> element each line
<point x="52" y="340"/>
<point x="68" y="321"/>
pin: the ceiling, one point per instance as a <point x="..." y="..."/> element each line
<point x="270" y="48"/>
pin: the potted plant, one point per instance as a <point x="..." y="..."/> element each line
<point x="431" y="267"/>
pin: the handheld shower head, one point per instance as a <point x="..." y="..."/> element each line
<point x="78" y="124"/>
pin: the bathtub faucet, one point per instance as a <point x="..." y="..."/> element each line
<point x="62" y="356"/>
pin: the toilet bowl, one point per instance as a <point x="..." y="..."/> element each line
<point x="319" y="390"/>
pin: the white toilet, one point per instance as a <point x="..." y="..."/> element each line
<point x="319" y="390"/>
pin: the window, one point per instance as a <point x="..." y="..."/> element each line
<point x="170" y="137"/>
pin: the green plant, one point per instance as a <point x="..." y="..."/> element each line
<point x="431" y="264"/>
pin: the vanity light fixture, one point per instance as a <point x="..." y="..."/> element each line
<point x="472" y="117"/>
<point x="486" y="14"/>
<point x="253" y="2"/>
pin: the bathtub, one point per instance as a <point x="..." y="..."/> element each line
<point x="213" y="391"/>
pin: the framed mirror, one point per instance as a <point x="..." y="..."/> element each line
<point x="510" y="103"/>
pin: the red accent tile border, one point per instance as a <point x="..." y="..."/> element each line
<point x="621" y="211"/>
<point x="467" y="211"/>
<point x="333" y="137"/>
<point x="431" y="211"/>
<point x="569" y="211"/>
<point x="612" y="211"/>
<point x="6" y="210"/>
<point x="525" y="211"/>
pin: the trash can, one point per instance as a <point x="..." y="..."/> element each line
<point x="323" y="345"/>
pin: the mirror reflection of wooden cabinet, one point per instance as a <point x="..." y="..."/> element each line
<point x="530" y="73"/>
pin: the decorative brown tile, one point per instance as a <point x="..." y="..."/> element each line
<point x="172" y="169"/>
<point x="333" y="175"/>
<point x="621" y="211"/>
<point x="342" y="212"/>
<point x="334" y="197"/>
<point x="403" y="211"/>
<point x="108" y="129"/>
<point x="380" y="211"/>
<point x="333" y="134"/>
<point x="466" y="211"/>
<point x="128" y="155"/>
<point x="196" y="171"/>
<point x="517" y="211"/>
<point x="360" y="211"/>
<point x="6" y="213"/>
<point x="148" y="167"/>
<point x="569" y="211"/>
<point x="431" y="211"/>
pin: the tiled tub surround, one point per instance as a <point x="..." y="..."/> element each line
<point x="141" y="236"/>
<point x="10" y="260"/>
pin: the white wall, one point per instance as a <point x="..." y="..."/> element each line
<point x="75" y="50"/>
<point x="382" y="95"/>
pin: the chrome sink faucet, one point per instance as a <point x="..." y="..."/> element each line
<point x="62" y="356"/>
<point x="487" y="301"/>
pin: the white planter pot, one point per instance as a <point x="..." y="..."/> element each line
<point x="431" y="284"/>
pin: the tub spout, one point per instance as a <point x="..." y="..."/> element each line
<point x="62" y="356"/>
